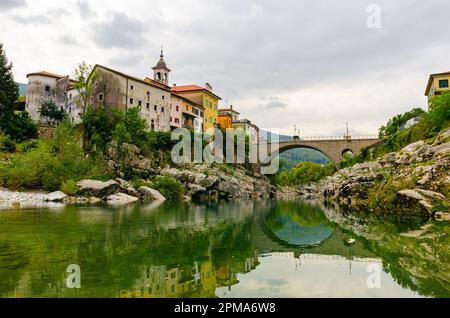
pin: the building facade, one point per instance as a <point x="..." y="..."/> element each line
<point x="192" y="115"/>
<point x="437" y="84"/>
<point x="116" y="90"/>
<point x="43" y="87"/>
<point x="204" y="97"/>
<point x="176" y="115"/>
<point x="250" y="129"/>
<point x="226" y="118"/>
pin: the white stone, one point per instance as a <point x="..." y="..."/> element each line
<point x="55" y="196"/>
<point x="121" y="198"/>
<point x="151" y="194"/>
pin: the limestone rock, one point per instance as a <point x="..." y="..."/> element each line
<point x="209" y="182"/>
<point x="195" y="188"/>
<point x="97" y="188"/>
<point x="170" y="172"/>
<point x="123" y="183"/>
<point x="121" y="198"/>
<point x="151" y="194"/>
<point x="442" y="216"/>
<point x="431" y="194"/>
<point x="192" y="177"/>
<point x="55" y="196"/>
<point x="411" y="194"/>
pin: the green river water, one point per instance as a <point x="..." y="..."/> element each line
<point x="230" y="249"/>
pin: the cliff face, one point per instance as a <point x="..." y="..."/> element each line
<point x="413" y="180"/>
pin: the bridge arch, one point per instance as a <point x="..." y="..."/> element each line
<point x="331" y="147"/>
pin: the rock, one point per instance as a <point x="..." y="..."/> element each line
<point x="123" y="183"/>
<point x="426" y="205"/>
<point x="94" y="200"/>
<point x="442" y="216"/>
<point x="55" y="196"/>
<point x="121" y="198"/>
<point x="186" y="198"/>
<point x="411" y="194"/>
<point x="76" y="200"/>
<point x="442" y="137"/>
<point x="192" y="177"/>
<point x="441" y="150"/>
<point x="195" y="188"/>
<point x="98" y="189"/>
<point x="209" y="182"/>
<point x="132" y="191"/>
<point x="411" y="148"/>
<point x="170" y="172"/>
<point x="151" y="194"/>
<point x="431" y="194"/>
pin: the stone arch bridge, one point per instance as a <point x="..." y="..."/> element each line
<point x="332" y="147"/>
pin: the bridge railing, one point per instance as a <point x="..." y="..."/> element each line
<point x="314" y="138"/>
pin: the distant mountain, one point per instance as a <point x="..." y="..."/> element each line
<point x="22" y="89"/>
<point x="265" y="135"/>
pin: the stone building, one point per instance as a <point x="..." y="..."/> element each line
<point x="176" y="104"/>
<point x="44" y="86"/>
<point x="116" y="90"/>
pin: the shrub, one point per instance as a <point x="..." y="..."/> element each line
<point x="29" y="145"/>
<point x="51" y="164"/>
<point x="6" y="144"/>
<point x="69" y="187"/>
<point x="52" y="112"/>
<point x="18" y="126"/>
<point x="169" y="187"/>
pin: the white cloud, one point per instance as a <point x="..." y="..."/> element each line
<point x="318" y="61"/>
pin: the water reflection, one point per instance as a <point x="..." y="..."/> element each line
<point x="246" y="249"/>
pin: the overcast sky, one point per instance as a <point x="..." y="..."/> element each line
<point x="313" y="63"/>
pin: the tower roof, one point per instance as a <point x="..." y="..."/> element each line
<point x="161" y="65"/>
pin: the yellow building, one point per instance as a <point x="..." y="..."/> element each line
<point x="437" y="84"/>
<point x="204" y="97"/>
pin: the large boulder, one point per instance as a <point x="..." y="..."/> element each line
<point x="97" y="188"/>
<point x="210" y="181"/>
<point x="150" y="194"/>
<point x="57" y="196"/>
<point x="121" y="198"/>
<point x="192" y="177"/>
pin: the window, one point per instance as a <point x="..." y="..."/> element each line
<point x="100" y="97"/>
<point x="155" y="108"/>
<point x="131" y="101"/>
<point x="148" y="105"/>
<point x="131" y="87"/>
<point x="163" y="97"/>
<point x="443" y="83"/>
<point x="70" y="96"/>
<point x="210" y="120"/>
<point x="178" y="108"/>
<point x="162" y="109"/>
<point x="47" y="89"/>
<point x="201" y="114"/>
<point x="170" y="119"/>
<point x="177" y="120"/>
<point x="140" y="103"/>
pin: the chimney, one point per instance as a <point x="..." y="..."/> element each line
<point x="174" y="85"/>
<point x="208" y="87"/>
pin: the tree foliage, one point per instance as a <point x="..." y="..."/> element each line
<point x="85" y="77"/>
<point x="18" y="126"/>
<point x="9" y="90"/>
<point x="52" y="112"/>
<point x="304" y="173"/>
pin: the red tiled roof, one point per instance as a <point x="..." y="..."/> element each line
<point x="191" y="88"/>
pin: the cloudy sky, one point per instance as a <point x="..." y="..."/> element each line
<point x="313" y="63"/>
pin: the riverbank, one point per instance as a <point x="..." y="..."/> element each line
<point x="415" y="180"/>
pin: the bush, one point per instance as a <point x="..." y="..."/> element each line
<point x="50" y="164"/>
<point x="6" y="144"/>
<point x="52" y="112"/>
<point x="18" y="126"/>
<point x="29" y="145"/>
<point x="169" y="187"/>
<point x="69" y="187"/>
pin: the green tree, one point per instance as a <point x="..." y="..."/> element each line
<point x="52" y="112"/>
<point x="85" y="77"/>
<point x="18" y="126"/>
<point x="9" y="90"/>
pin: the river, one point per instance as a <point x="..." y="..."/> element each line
<point x="227" y="249"/>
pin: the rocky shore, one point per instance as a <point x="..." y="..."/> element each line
<point x="414" y="180"/>
<point x="201" y="182"/>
